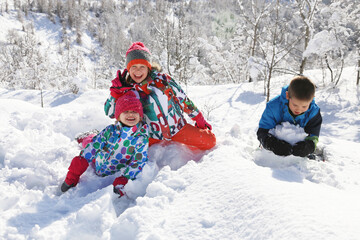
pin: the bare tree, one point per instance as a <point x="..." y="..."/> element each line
<point x="276" y="44"/>
<point x="165" y="33"/>
<point x="6" y="6"/>
<point x="185" y="46"/>
<point x="253" y="12"/>
<point x="50" y="11"/>
<point x="352" y="11"/>
<point x="307" y="10"/>
<point x="358" y="68"/>
<point x="358" y="73"/>
<point x="340" y="33"/>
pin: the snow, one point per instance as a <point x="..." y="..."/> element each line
<point x="8" y="22"/>
<point x="288" y="132"/>
<point x="234" y="191"/>
<point x="256" y="67"/>
<point x="322" y="43"/>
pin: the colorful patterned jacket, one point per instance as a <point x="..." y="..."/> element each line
<point x="163" y="100"/>
<point x="119" y="148"/>
<point x="277" y="111"/>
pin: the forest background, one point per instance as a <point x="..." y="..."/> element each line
<point x="197" y="42"/>
<point x="69" y="51"/>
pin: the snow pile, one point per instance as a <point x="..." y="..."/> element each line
<point x="234" y="191"/>
<point x="289" y="133"/>
<point x="322" y="43"/>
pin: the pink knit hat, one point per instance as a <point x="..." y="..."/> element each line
<point x="128" y="102"/>
<point x="138" y="54"/>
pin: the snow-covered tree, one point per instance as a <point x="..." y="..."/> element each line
<point x="351" y="33"/>
<point x="253" y="12"/>
<point x="333" y="19"/>
<point x="276" y="44"/>
<point x="325" y="44"/>
<point x="198" y="42"/>
<point x="307" y="10"/>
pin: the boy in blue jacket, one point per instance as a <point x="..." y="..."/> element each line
<point x="297" y="106"/>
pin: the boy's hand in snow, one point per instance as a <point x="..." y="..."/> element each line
<point x="277" y="146"/>
<point x="303" y="148"/>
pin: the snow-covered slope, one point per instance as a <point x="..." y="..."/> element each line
<point x="234" y="191"/>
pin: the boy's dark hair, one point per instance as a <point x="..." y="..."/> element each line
<point x="301" y="88"/>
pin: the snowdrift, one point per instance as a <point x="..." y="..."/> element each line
<point x="234" y="191"/>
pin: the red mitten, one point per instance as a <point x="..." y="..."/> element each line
<point x="201" y="122"/>
<point x="119" y="184"/>
<point x="119" y="85"/>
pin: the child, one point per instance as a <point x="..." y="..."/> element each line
<point x="120" y="146"/>
<point x="163" y="100"/>
<point x="295" y="105"/>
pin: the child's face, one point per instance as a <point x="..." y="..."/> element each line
<point x="129" y="118"/>
<point x="298" y="106"/>
<point x="138" y="72"/>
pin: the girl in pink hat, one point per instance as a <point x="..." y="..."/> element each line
<point x="163" y="100"/>
<point x="120" y="147"/>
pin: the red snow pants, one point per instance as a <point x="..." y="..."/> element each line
<point x="77" y="167"/>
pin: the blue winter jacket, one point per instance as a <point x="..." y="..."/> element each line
<point x="277" y="111"/>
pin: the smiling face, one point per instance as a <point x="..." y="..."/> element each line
<point x="138" y="72"/>
<point x="129" y="118"/>
<point x="298" y="106"/>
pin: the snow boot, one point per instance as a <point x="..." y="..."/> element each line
<point x="86" y="137"/>
<point x="65" y="186"/>
<point x="77" y="167"/>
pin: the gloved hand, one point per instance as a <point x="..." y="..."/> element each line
<point x="277" y="146"/>
<point x="123" y="79"/>
<point x="109" y="106"/>
<point x="303" y="148"/>
<point x="118" y="88"/>
<point x="119" y="184"/>
<point x="120" y="80"/>
<point x="201" y="122"/>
